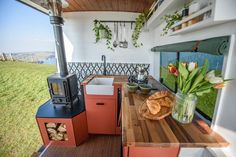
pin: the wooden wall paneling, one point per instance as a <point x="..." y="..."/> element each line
<point x="109" y="5"/>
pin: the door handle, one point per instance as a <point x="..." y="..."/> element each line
<point x="99" y="103"/>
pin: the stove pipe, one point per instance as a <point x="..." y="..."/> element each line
<point x="55" y="12"/>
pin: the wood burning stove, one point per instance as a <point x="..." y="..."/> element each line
<point x="60" y="126"/>
<point x="63" y="89"/>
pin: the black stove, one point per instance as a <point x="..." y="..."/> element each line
<point x="63" y="89"/>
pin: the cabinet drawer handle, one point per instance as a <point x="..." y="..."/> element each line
<point x="99" y="103"/>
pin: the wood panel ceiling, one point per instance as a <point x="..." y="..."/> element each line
<point x="109" y="5"/>
<point x="137" y="6"/>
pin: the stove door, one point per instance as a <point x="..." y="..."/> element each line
<point x="58" y="89"/>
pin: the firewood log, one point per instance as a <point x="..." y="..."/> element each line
<point x="51" y="130"/>
<point x="59" y="138"/>
<point x="65" y="137"/>
<point x="61" y="128"/>
<point x="51" y="125"/>
<point x="60" y="134"/>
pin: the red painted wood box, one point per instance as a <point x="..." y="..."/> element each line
<point x="61" y="126"/>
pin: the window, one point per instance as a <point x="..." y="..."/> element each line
<point x="206" y="103"/>
<point x="167" y="79"/>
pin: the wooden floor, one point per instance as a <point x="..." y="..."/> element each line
<point x="96" y="146"/>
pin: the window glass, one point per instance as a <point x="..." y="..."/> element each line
<point x="167" y="79"/>
<point x="57" y="89"/>
<point x="206" y="103"/>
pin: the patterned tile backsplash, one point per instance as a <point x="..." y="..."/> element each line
<point x="84" y="69"/>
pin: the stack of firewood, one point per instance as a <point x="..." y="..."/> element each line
<point x="57" y="131"/>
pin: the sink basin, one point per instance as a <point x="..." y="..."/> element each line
<point x="100" y="86"/>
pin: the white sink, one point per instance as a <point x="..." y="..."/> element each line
<point x="100" y="86"/>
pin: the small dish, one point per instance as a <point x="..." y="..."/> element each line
<point x="145" y="88"/>
<point x="132" y="87"/>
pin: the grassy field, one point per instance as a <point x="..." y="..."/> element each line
<point x="206" y="103"/>
<point x="23" y="88"/>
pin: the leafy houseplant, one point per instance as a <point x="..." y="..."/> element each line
<point x="170" y="21"/>
<point x="139" y="23"/>
<point x="192" y="81"/>
<point x="103" y="31"/>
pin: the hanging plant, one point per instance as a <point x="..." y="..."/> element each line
<point x="139" y="23"/>
<point x="170" y="21"/>
<point x="103" y="31"/>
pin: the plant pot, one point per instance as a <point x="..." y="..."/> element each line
<point x="177" y="28"/>
<point x="195" y="20"/>
<point x="183" y="110"/>
<point x="185" y="24"/>
<point x="185" y="13"/>
<point x="132" y="87"/>
<point x="145" y="88"/>
<point x="193" y="8"/>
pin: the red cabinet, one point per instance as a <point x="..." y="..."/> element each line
<point x="101" y="116"/>
<point x="103" y="112"/>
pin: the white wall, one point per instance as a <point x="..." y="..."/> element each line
<point x="80" y="46"/>
<point x="225" y="114"/>
<point x="80" y="39"/>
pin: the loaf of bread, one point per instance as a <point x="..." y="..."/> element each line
<point x="158" y="95"/>
<point x="158" y="100"/>
<point x="153" y="106"/>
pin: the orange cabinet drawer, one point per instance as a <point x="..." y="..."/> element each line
<point x="101" y="116"/>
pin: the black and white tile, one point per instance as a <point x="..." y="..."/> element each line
<point x="84" y="69"/>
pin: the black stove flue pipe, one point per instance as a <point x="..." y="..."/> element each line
<point x="55" y="11"/>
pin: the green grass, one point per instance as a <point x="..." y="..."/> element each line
<point x="206" y="103"/>
<point x="23" y="88"/>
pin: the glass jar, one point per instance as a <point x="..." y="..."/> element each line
<point x="183" y="110"/>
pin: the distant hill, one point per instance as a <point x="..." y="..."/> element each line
<point x="42" y="57"/>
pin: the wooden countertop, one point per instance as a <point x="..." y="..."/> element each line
<point x="139" y="131"/>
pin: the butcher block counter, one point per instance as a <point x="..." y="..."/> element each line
<point x="144" y="137"/>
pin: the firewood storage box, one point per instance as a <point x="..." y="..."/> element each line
<point x="60" y="126"/>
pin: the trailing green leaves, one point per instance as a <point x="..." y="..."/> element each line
<point x="107" y="33"/>
<point x="170" y="21"/>
<point x="139" y="23"/>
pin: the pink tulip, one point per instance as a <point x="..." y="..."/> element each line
<point x="173" y="70"/>
<point x="219" y="85"/>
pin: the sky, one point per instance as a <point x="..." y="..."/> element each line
<point x="24" y="29"/>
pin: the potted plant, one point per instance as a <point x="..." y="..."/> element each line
<point x="139" y="23"/>
<point x="192" y="81"/>
<point x="194" y="7"/>
<point x="185" y="11"/>
<point x="170" y="21"/>
<point x="103" y="31"/>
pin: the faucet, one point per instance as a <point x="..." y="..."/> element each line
<point x="104" y="65"/>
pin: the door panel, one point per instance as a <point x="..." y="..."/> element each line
<point x="101" y="116"/>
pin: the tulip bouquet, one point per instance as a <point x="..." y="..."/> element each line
<point x="192" y="80"/>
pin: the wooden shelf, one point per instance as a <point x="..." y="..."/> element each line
<point x="200" y="12"/>
<point x="168" y="6"/>
<point x="196" y="26"/>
